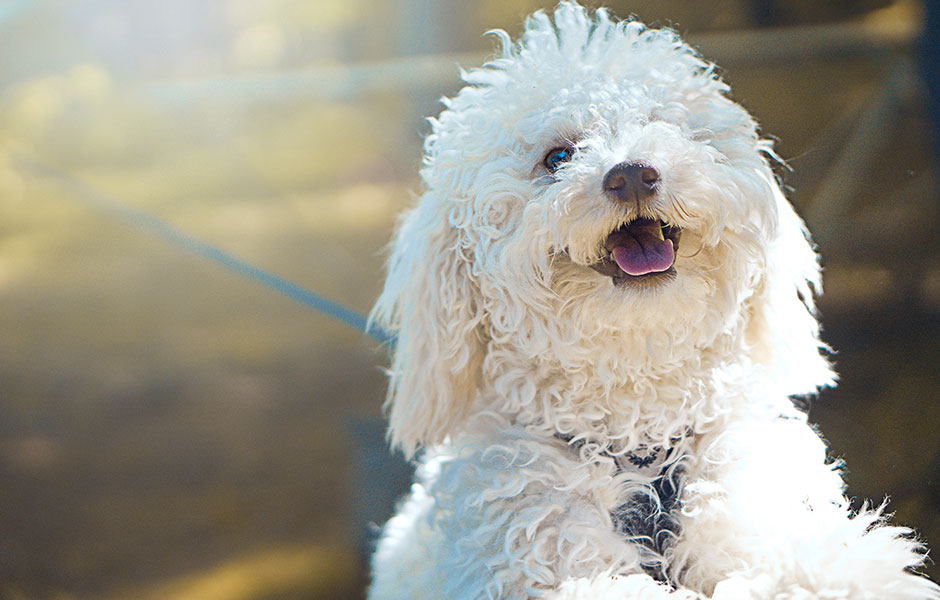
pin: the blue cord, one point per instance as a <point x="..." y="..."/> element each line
<point x="187" y="242"/>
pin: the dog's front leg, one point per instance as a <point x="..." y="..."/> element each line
<point x="512" y="516"/>
<point x="764" y="516"/>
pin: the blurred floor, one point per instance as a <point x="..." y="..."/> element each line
<point x="171" y="430"/>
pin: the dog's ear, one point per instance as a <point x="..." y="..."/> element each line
<point x="783" y="330"/>
<point x="431" y="302"/>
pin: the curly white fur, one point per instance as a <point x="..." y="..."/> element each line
<point x="530" y="378"/>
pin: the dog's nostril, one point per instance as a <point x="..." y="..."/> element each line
<point x="649" y="175"/>
<point x="628" y="182"/>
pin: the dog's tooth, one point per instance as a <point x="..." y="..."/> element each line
<point x="659" y="233"/>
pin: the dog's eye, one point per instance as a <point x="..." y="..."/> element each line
<point x="556" y="157"/>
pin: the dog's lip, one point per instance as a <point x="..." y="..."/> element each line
<point x="632" y="230"/>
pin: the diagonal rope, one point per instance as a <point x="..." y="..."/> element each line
<point x="114" y="207"/>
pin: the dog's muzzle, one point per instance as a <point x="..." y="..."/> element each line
<point x="643" y="250"/>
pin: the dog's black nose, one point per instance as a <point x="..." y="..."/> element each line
<point x="631" y="182"/>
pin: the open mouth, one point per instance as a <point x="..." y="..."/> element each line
<point x="643" y="250"/>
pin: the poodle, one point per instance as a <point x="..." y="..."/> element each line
<point x="604" y="309"/>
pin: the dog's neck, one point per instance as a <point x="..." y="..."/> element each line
<point x="611" y="396"/>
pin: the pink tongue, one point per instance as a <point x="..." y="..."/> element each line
<point x="643" y="254"/>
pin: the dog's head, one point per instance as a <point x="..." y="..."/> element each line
<point x="593" y="198"/>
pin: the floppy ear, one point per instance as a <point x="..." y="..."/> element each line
<point x="433" y="305"/>
<point x="783" y="330"/>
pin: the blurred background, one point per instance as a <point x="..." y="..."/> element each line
<point x="171" y="429"/>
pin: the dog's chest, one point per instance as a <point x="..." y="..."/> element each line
<point x="648" y="517"/>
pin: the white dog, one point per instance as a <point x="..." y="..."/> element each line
<point x="604" y="304"/>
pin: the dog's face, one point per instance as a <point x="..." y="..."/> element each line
<point x="593" y="196"/>
<point x="607" y="170"/>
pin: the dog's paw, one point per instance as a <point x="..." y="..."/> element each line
<point x="740" y="588"/>
<point x="608" y="587"/>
